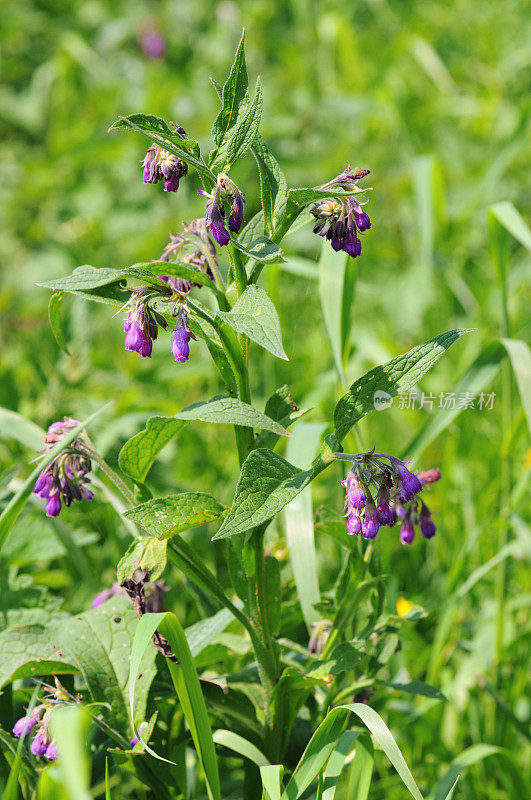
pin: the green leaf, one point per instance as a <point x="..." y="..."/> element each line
<point x="200" y="634"/>
<point x="55" y="307"/>
<point x="167" y="516"/>
<point x="233" y="96"/>
<point x="251" y="231"/>
<point x="336" y="762"/>
<point x="282" y="408"/>
<point x="92" y="643"/>
<point x="397" y="376"/>
<point x="15" y="426"/>
<point x="186" y="682"/>
<point x="271" y="781"/>
<point x="358" y="781"/>
<point x="476" y="378"/>
<point x="157" y="131"/>
<point x="298" y="523"/>
<point x="260" y="249"/>
<point x="520" y="357"/>
<point x="138" y="454"/>
<point x="145" y="553"/>
<point x="241" y="746"/>
<point x="243" y="134"/>
<point x="254" y="315"/>
<point x="70" y="727"/>
<point x="316" y="755"/>
<point x="86" y="277"/>
<point x="417" y="687"/>
<point x="231" y="411"/>
<point x="384" y="738"/>
<point x="513" y="222"/>
<point x="465" y="759"/>
<point x="266" y="484"/>
<point x="13" y="509"/>
<point x="303" y="197"/>
<point x="273" y="184"/>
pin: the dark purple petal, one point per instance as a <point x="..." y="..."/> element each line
<point x="53" y="505"/>
<point x="171" y="184"/>
<point x="134" y="338"/>
<point x="407" y="531"/>
<point x="236" y="217"/>
<point x="146" y="348"/>
<point x="179" y="344"/>
<point x="363" y="221"/>
<point x="370" y="524"/>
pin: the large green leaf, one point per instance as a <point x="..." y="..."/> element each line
<point x="303" y="197"/>
<point x="241" y="746"/>
<point x="13" y="509"/>
<point x="397" y="376"/>
<point x="167" y="516"/>
<point x="138" y="454"/>
<point x="93" y="643"/>
<point x="336" y="762"/>
<point x="145" y="553"/>
<point x="280" y="407"/>
<point x="231" y="411"/>
<point x="254" y="315"/>
<point x="86" y="277"/>
<point x="266" y="484"/>
<point x="273" y="184"/>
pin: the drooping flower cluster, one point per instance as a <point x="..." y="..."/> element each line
<point x="65" y="479"/>
<point x="341" y="219"/>
<point x="161" y="165"/>
<point x="42" y="744"/>
<point x="141" y="323"/>
<point x="225" y="191"/>
<point x="379" y="494"/>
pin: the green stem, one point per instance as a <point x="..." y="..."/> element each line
<point x="238" y="268"/>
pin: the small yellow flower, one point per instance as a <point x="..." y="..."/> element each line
<point x="403" y="606"/>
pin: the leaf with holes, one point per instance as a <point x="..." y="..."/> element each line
<point x="167" y="516"/>
<point x="231" y="411"/>
<point x="255" y="315"/>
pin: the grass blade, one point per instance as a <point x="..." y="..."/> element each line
<point x="241" y="746"/>
<point x="70" y="726"/>
<point x="186" y="682"/>
<point x="298" y="522"/>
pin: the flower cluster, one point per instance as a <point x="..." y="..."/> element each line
<point x="225" y="191"/>
<point x="65" y="479"/>
<point x="42" y="744"/>
<point x="141" y="323"/>
<point x="341" y="219"/>
<point x="161" y="165"/>
<point x="379" y="493"/>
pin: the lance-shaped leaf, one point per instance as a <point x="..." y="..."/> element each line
<point x="397" y="376"/>
<point x="87" y="277"/>
<point x="138" y="454"/>
<point x="231" y="411"/>
<point x="167" y="516"/>
<point x="266" y="484"/>
<point x="241" y="137"/>
<point x="273" y="184"/>
<point x="255" y="315"/>
<point x="158" y="131"/>
<point x="233" y="95"/>
<point x="282" y="408"/>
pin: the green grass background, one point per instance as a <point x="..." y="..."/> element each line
<point x="433" y="98"/>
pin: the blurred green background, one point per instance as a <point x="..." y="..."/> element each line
<point x="433" y="98"/>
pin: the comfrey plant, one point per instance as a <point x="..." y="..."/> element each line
<point x="286" y="701"/>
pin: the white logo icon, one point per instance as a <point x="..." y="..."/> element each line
<point x="382" y="400"/>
